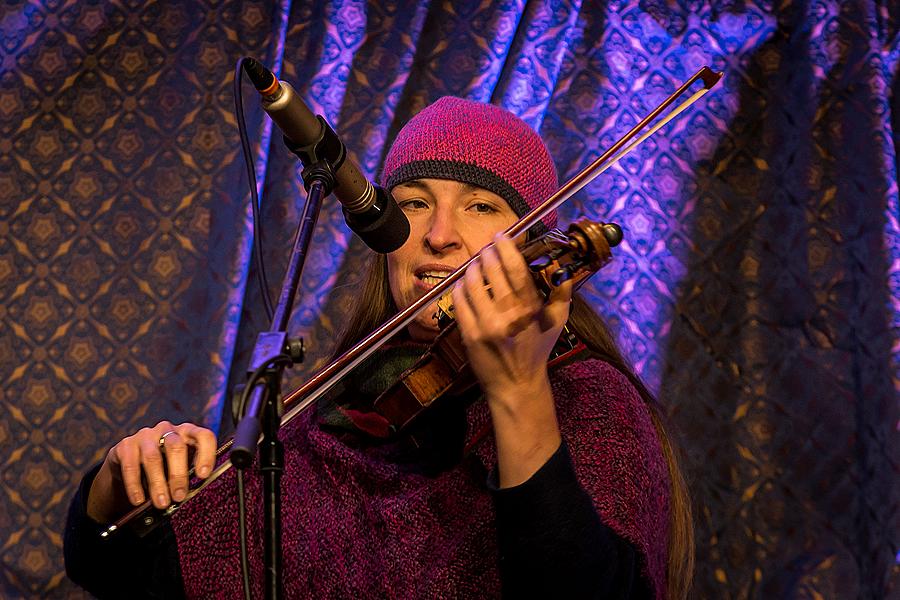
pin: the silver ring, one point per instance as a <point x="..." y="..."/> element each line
<point x="162" y="438"/>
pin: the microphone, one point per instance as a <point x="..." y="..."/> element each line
<point x="369" y="210"/>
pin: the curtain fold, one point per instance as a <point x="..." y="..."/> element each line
<point x="757" y="290"/>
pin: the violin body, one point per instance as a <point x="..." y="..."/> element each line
<point x="442" y="370"/>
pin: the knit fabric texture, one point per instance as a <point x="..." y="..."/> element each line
<point x="475" y="143"/>
<point x="359" y="524"/>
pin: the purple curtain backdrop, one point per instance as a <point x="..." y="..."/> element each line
<point x="757" y="291"/>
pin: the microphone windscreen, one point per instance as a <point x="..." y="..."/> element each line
<point x="383" y="228"/>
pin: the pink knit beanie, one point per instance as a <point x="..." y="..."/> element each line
<point x="475" y="143"/>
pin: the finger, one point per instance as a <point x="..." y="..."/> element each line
<point x="516" y="271"/>
<point x="128" y="457"/>
<point x="559" y="304"/>
<point x="495" y="276"/>
<point x="473" y="285"/>
<point x="465" y="317"/>
<point x="175" y="450"/>
<point x="204" y="443"/>
<point x="152" y="463"/>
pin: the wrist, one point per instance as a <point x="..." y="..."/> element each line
<point x="525" y="429"/>
<point x="105" y="499"/>
<point x="519" y="397"/>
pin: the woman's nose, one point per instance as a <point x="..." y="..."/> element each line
<point x="443" y="231"/>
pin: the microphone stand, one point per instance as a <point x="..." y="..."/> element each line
<point x="265" y="405"/>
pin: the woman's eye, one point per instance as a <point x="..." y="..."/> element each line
<point x="413" y="203"/>
<point x="483" y="207"/>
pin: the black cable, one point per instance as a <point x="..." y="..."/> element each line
<point x="242" y="529"/>
<point x="251" y="176"/>
<point x="257" y="374"/>
<point x="267" y="304"/>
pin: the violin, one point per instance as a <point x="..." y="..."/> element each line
<point x="552" y="259"/>
<point x="561" y="263"/>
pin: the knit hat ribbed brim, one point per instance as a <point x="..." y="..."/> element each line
<point x="475" y="143"/>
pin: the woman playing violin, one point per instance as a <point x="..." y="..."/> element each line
<point x="544" y="480"/>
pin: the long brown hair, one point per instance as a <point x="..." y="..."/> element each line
<point x="590" y="328"/>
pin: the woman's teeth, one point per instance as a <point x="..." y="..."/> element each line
<point x="432" y="278"/>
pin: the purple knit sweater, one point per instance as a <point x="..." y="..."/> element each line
<point x="358" y="524"/>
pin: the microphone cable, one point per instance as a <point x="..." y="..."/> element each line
<point x="254" y="195"/>
<point x="263" y="281"/>
<point x="258" y="374"/>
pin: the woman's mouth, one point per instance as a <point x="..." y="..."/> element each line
<point x="430" y="277"/>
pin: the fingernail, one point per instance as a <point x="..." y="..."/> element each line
<point x="137" y="499"/>
<point x="202" y="471"/>
<point x="161" y="500"/>
<point x="178" y="495"/>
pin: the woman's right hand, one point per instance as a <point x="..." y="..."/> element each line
<point x="155" y="456"/>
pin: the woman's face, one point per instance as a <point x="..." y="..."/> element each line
<point x="449" y="222"/>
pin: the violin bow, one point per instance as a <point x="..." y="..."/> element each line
<point x="319" y="383"/>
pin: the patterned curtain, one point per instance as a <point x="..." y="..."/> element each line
<point x="757" y="290"/>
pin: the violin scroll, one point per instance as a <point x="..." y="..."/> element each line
<point x="575" y="255"/>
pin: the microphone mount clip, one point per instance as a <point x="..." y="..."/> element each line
<point x="321" y="158"/>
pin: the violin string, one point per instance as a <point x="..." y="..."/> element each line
<point x="386" y="331"/>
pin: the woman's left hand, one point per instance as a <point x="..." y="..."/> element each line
<point x="508" y="333"/>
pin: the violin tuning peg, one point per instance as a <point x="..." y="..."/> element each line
<point x="559" y="277"/>
<point x="541" y="262"/>
<point x="613" y="234"/>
